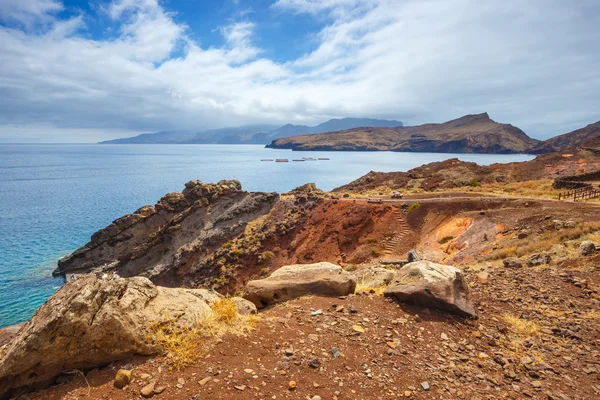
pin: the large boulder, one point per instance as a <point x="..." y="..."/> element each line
<point x="587" y="248"/>
<point x="292" y="281"/>
<point x="431" y="285"/>
<point x="91" y="322"/>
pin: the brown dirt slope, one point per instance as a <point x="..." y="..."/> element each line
<point x="536" y="338"/>
<point x="454" y="173"/>
<point x="469" y="134"/>
<point x="588" y="136"/>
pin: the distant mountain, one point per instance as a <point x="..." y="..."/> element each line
<point x="154" y="138"/>
<point x="588" y="136"/>
<point x="238" y="135"/>
<point x="469" y="134"/>
<point x="251" y="134"/>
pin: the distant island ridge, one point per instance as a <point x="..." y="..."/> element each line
<point x="474" y="133"/>
<point x="252" y="134"/>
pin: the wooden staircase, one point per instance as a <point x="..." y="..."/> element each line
<point x="392" y="244"/>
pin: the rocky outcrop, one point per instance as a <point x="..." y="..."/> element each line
<point x="431" y="285"/>
<point x="306" y="192"/>
<point x="165" y="241"/>
<point x="292" y="281"/>
<point x="91" y="322"/>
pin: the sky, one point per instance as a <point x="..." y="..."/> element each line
<point x="90" y="70"/>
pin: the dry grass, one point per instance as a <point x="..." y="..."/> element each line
<point x="364" y="286"/>
<point x="377" y="290"/>
<point x="186" y="345"/>
<point x="521" y="327"/>
<point x="536" y="244"/>
<point x="523" y="338"/>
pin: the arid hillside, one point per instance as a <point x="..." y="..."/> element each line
<point x="468" y="134"/>
<point x="453" y="173"/>
<point x="588" y="136"/>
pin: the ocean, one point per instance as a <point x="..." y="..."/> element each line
<point x="53" y="197"/>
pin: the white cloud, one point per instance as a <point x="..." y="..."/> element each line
<point x="532" y="64"/>
<point x="28" y="12"/>
<point x="239" y="38"/>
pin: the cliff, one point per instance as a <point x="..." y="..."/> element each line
<point x="469" y="134"/>
<point x="161" y="241"/>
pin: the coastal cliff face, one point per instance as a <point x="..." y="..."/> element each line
<point x="161" y="241"/>
<point x="218" y="236"/>
<point x="469" y="134"/>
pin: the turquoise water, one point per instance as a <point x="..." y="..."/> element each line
<point x="53" y="197"/>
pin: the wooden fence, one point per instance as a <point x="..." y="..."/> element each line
<point x="584" y="193"/>
<point x="589" y="194"/>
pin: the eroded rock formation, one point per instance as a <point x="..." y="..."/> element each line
<point x="165" y="241"/>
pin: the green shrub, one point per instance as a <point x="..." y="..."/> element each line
<point x="474" y="183"/>
<point x="413" y="207"/>
<point x="445" y="239"/>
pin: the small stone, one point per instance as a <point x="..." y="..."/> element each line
<point x="159" y="389"/>
<point x="315" y="363"/>
<point x="292" y="385"/>
<point x="512" y="262"/>
<point x="240" y="387"/>
<point x="483" y="277"/>
<point x="358" y="328"/>
<point x="315" y="313"/>
<point x="249" y="371"/>
<point x="313" y="337"/>
<point x="444" y="336"/>
<point x="289" y="352"/>
<point x="425" y="386"/>
<point x="204" y="381"/>
<point x="526" y="360"/>
<point x="335" y="352"/>
<point x="181" y="381"/>
<point x="148" y="390"/>
<point x="392" y="345"/>
<point x="407" y="393"/>
<point x="122" y="378"/>
<point x="316" y="398"/>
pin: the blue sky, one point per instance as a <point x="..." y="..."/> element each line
<point x="87" y="70"/>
